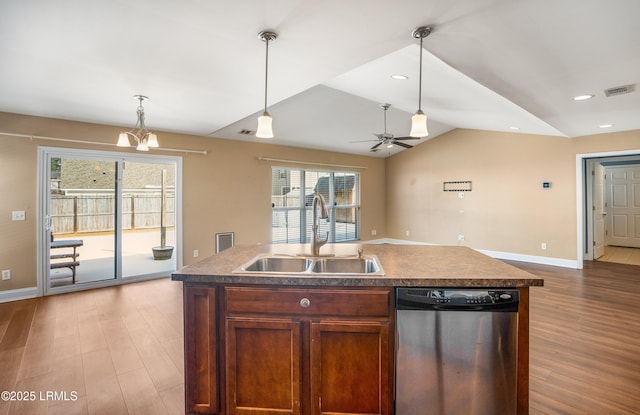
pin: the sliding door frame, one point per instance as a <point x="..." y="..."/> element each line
<point x="44" y="179"/>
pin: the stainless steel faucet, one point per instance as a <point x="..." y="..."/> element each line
<point x="317" y="242"/>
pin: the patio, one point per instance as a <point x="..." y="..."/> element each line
<point x="96" y="256"/>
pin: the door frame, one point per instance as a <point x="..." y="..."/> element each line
<point x="42" y="239"/>
<point x="584" y="197"/>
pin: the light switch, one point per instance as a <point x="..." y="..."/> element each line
<point x="17" y="215"/>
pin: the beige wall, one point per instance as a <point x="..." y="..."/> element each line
<point x="227" y="190"/>
<point x="507" y="210"/>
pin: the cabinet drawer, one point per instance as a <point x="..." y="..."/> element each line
<point x="309" y="302"/>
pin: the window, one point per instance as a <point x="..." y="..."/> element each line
<point x="292" y="193"/>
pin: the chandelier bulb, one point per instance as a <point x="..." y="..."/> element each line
<point x="123" y="140"/>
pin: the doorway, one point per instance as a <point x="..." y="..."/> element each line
<point x="609" y="211"/>
<point x="104" y="218"/>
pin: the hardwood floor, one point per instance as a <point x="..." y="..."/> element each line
<point x="585" y="340"/>
<point x="120" y="349"/>
<point x="621" y="255"/>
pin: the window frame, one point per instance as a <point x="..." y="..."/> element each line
<point x="304" y="210"/>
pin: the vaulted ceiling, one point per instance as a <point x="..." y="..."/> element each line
<point x="499" y="65"/>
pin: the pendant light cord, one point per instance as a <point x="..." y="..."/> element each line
<point x="420" y="78"/>
<point x="266" y="73"/>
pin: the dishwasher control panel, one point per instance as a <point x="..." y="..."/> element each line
<point x="472" y="299"/>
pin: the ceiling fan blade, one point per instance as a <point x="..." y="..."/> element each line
<point x="406" y="138"/>
<point x="375" y="148"/>
<point x="362" y="141"/>
<point x="403" y="145"/>
<point x="380" y="136"/>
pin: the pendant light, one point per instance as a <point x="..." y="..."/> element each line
<point x="419" y="119"/>
<point x="143" y="137"/>
<point x="264" y="121"/>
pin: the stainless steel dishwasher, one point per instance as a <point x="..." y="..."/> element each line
<point x="456" y="351"/>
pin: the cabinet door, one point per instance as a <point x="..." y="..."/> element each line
<point x="263" y="366"/>
<point x="201" y="360"/>
<point x="350" y="368"/>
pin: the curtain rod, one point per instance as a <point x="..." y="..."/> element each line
<point x="68" y="140"/>
<point x="311" y="163"/>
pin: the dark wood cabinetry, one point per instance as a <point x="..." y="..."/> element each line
<point x="289" y="350"/>
<point x="263" y="365"/>
<point x="201" y="358"/>
<point x="350" y="368"/>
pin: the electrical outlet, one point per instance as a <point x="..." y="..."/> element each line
<point x="461" y="237"/>
<point x="374" y="232"/>
<point x="18" y="215"/>
<point x="6" y="274"/>
<point x="407" y="233"/>
<point x="195" y="253"/>
<point x="543" y="246"/>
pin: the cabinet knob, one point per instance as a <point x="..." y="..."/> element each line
<point x="305" y="303"/>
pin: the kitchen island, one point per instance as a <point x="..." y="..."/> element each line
<point x="294" y="343"/>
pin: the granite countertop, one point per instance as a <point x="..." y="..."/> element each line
<point x="403" y="265"/>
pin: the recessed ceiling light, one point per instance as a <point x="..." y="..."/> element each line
<point x="605" y="125"/>
<point x="583" y="97"/>
<point x="400" y="77"/>
<point x="514" y="128"/>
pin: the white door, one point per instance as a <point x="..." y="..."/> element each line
<point x="623" y="206"/>
<point x="599" y="211"/>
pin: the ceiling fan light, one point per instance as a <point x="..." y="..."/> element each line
<point x="153" y="141"/>
<point x="123" y="140"/>
<point x="265" y="129"/>
<point x="419" y="125"/>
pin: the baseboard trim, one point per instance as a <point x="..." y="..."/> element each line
<point x="18" y="294"/>
<point x="542" y="260"/>
<point x="394" y="241"/>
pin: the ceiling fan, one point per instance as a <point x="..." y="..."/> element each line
<point x="386" y="138"/>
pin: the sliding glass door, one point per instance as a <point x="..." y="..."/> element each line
<point x="106" y="217"/>
<point x="81" y="220"/>
<point x="148" y="218"/>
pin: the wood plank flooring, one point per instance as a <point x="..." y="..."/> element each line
<point x="585" y="340"/>
<point x="621" y="255"/>
<point x="120" y="349"/>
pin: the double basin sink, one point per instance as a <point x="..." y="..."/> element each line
<point x="303" y="265"/>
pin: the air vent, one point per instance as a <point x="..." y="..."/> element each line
<point x="246" y="132"/>
<point x="619" y="90"/>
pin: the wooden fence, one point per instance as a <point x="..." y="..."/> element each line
<point x="96" y="212"/>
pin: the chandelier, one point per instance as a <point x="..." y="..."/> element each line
<point x="143" y="137"/>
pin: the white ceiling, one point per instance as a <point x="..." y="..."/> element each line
<point x="488" y="64"/>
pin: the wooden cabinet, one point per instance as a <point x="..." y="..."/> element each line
<point x="201" y="358"/>
<point x="263" y="366"/>
<point x="262" y="351"/>
<point x="308" y="351"/>
<point x="350" y="368"/>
